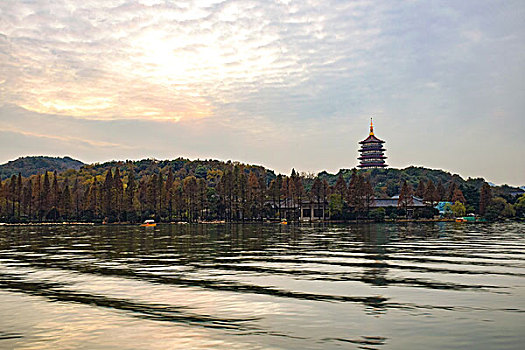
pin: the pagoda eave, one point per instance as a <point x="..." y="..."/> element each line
<point x="371" y="141"/>
<point x="372" y="149"/>
<point x="372" y="157"/>
<point x="372" y="165"/>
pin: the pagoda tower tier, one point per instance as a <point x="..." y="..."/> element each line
<point x="372" y="151"/>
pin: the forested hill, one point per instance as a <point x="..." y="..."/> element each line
<point x="386" y="182"/>
<point x="192" y="190"/>
<point x="28" y="166"/>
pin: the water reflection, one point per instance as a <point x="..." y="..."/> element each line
<point x="268" y="282"/>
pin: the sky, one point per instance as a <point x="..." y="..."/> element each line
<point x="284" y="84"/>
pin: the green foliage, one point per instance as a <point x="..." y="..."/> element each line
<point x="335" y="205"/>
<point x="519" y="207"/>
<point x="426" y="212"/>
<point x="28" y="166"/>
<point x="378" y="214"/>
<point x="448" y="212"/>
<point x="458" y="209"/>
<point x="499" y="207"/>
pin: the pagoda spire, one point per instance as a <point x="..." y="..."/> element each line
<point x="371" y="127"/>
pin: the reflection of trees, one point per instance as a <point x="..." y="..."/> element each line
<point x="375" y="237"/>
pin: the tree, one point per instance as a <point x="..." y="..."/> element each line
<point x="189" y="188"/>
<point x="335" y="205"/>
<point x="378" y="214"/>
<point x="45" y="194"/>
<point x="160" y="194"/>
<point x="76" y="197"/>
<point x="19" y="192"/>
<point x="130" y="194"/>
<point x="499" y="207"/>
<point x="28" y="198"/>
<point x="368" y="195"/>
<point x="93" y="198"/>
<point x="316" y="194"/>
<point x="458" y="196"/>
<point x="55" y="196"/>
<point x="421" y="189"/>
<point x="519" y="206"/>
<point x="252" y="209"/>
<point x="430" y="195"/>
<point x="118" y="194"/>
<point x="274" y="193"/>
<point x="37" y="196"/>
<point x="485" y="197"/>
<point x="12" y="195"/>
<point x="458" y="209"/>
<point x="202" y="197"/>
<point x="152" y="194"/>
<point x="448" y="210"/>
<point x="107" y="194"/>
<point x="326" y="193"/>
<point x="66" y="201"/>
<point x="440" y="191"/>
<point x="356" y="192"/>
<point x="406" y="198"/>
<point x="168" y="193"/>
<point x="340" y="186"/>
<point x="299" y="192"/>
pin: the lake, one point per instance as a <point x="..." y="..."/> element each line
<point x="377" y="286"/>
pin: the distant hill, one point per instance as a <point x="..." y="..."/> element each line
<point x="28" y="166"/>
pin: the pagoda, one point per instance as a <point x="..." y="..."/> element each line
<point x="372" y="151"/>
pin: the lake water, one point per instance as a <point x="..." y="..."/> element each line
<point x="414" y="286"/>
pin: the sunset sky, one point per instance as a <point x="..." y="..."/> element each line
<point x="277" y="83"/>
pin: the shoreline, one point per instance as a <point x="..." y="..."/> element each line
<point x="291" y="223"/>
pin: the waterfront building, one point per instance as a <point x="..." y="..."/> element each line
<point x="372" y="151"/>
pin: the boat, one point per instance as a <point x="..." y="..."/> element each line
<point x="149" y="223"/>
<point x="471" y="219"/>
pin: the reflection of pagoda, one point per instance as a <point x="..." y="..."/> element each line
<point x="372" y="151"/>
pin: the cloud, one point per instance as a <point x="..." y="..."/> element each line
<point x="65" y="139"/>
<point x="151" y="59"/>
<point x="282" y="83"/>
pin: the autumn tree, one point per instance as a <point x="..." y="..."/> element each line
<point x="406" y="198"/>
<point x="65" y="201"/>
<point x="440" y="191"/>
<point x="107" y="194"/>
<point x="316" y="194"/>
<point x="129" y="196"/>
<point x="430" y="195"/>
<point x="189" y="188"/>
<point x="458" y="196"/>
<point x="118" y="194"/>
<point x="485" y="196"/>
<point x="421" y="189"/>
<point x="368" y="195"/>
<point x="340" y="186"/>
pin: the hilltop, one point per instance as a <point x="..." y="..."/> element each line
<point x="33" y="165"/>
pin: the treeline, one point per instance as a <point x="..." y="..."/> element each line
<point x="182" y="190"/>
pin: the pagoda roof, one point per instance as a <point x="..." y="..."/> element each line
<point x="372" y="165"/>
<point x="371" y="139"/>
